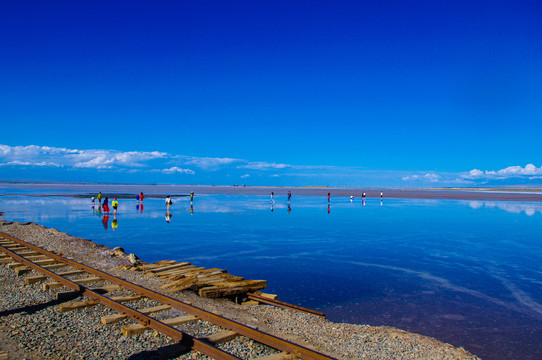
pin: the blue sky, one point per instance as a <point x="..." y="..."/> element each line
<point x="342" y="93"/>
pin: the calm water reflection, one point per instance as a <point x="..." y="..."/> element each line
<point x="465" y="272"/>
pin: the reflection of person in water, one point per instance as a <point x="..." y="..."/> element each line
<point x="191" y="208"/>
<point x="114" y="223"/>
<point x="168" y="216"/>
<point x="141" y="208"/>
<point x="105" y="220"/>
<point x="328" y="207"/>
<point x="289" y="208"/>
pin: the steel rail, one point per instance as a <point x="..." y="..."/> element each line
<point x="185" y="339"/>
<point x="262" y="337"/>
<point x="283" y="304"/>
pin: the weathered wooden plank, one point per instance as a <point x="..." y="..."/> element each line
<point x="134" y="329"/>
<point x="221" y="337"/>
<point x="3" y="355"/>
<point x="167" y="268"/>
<point x="74" y="305"/>
<point x="52" y="285"/>
<point x="232" y="288"/>
<point x="197" y="282"/>
<point x="153" y="265"/>
<point x="54" y="266"/>
<point x="33" y="279"/>
<point x="15" y="248"/>
<point x="111" y="319"/>
<point x="185" y="270"/>
<point x="102" y="289"/>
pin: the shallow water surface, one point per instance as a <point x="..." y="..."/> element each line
<point x="465" y="272"/>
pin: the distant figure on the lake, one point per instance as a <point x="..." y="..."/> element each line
<point x="105" y="220"/>
<point x="381" y="195"/>
<point x="351" y="197"/>
<point x="168" y="202"/>
<point x="272" y="197"/>
<point x="115" y="204"/>
<point x="289" y="195"/>
<point x="93" y="200"/>
<point x="137" y="198"/>
<point x="141" y="197"/>
<point x="363" y="196"/>
<point x="192" y="197"/>
<point x="99" y="196"/>
<point x="114" y="223"/>
<point x="168" y="216"/>
<point x="328" y="197"/>
<point x="106" y="205"/>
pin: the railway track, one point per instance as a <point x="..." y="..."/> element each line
<point x="24" y="257"/>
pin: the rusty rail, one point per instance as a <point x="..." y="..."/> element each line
<point x="284" y="305"/>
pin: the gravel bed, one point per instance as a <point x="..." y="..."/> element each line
<point x="31" y="327"/>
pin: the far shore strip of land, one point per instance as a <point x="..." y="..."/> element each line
<point x="126" y="191"/>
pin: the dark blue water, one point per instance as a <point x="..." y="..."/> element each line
<point x="468" y="273"/>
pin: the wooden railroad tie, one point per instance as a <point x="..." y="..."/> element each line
<point x="63" y="295"/>
<point x="111" y="319"/>
<point x="74" y="305"/>
<point x="53" y="285"/>
<point x="134" y="329"/>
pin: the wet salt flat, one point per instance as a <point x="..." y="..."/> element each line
<point x="465" y="272"/>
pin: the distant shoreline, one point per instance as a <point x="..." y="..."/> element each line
<point x="127" y="191"/>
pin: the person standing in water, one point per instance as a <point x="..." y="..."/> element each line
<point x="99" y="196"/>
<point x="192" y="196"/>
<point x="168" y="202"/>
<point x="289" y="195"/>
<point x="272" y="197"/>
<point x="141" y="197"/>
<point x="328" y="197"/>
<point x="115" y="205"/>
<point x="106" y="205"/>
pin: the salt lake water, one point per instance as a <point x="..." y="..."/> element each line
<point x="466" y="272"/>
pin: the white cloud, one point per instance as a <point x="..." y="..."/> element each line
<point x="207" y="163"/>
<point x="512" y="171"/>
<point x="245" y="176"/>
<point x="59" y="157"/>
<point x="177" y="170"/>
<point x="260" y="165"/>
<point x="431" y="177"/>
